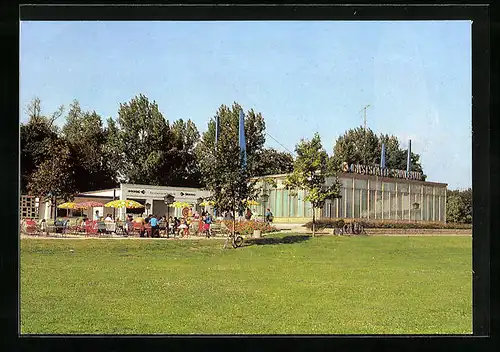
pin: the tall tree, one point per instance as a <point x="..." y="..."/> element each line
<point x="272" y="162"/>
<point x="181" y="155"/>
<point x="396" y="158"/>
<point x="354" y="147"/>
<point x="220" y="166"/>
<point x="141" y="142"/>
<point x="229" y="123"/>
<point x="54" y="177"/>
<point x="310" y="169"/>
<point x="85" y="135"/>
<point x="37" y="136"/>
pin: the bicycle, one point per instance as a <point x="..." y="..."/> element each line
<point x="236" y="240"/>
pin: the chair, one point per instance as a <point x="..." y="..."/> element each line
<point x="148" y="229"/>
<point x="31" y="227"/>
<point x="90" y="228"/>
<point x="110" y="226"/>
<point x="101" y="227"/>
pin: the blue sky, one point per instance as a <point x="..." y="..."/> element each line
<point x="304" y="77"/>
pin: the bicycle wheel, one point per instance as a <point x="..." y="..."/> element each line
<point x="237" y="241"/>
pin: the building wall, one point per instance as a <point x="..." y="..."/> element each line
<point x="363" y="197"/>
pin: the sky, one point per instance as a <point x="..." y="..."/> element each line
<point x="303" y="76"/>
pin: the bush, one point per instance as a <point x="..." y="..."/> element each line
<point x="248" y="227"/>
<point x="385" y="224"/>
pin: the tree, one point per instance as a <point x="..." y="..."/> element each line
<point x="221" y="168"/>
<point x="228" y="125"/>
<point x="181" y="155"/>
<point x="396" y="158"/>
<point x="459" y="206"/>
<point x="310" y="169"/>
<point x="273" y="162"/>
<point x="356" y="147"/>
<point x="54" y="177"/>
<point x="139" y="143"/>
<point x="86" y="138"/>
<point x="37" y="136"/>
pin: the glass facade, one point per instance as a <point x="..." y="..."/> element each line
<point x="367" y="197"/>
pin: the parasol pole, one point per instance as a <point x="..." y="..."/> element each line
<point x="114" y="209"/>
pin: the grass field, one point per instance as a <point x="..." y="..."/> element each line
<point x="289" y="285"/>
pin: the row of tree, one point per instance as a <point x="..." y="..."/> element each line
<point x="139" y="146"/>
<point x="142" y="146"/>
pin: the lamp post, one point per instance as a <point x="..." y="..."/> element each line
<point x="168" y="199"/>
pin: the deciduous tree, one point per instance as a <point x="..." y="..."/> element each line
<point x="310" y="169"/>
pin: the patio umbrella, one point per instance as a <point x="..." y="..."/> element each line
<point x="179" y="205"/>
<point x="68" y="205"/>
<point x="125" y="203"/>
<point x="251" y="202"/>
<point x="89" y="204"/>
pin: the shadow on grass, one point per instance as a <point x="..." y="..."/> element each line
<point x="275" y="240"/>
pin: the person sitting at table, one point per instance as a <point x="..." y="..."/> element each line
<point x="108" y="218"/>
<point x="141" y="221"/>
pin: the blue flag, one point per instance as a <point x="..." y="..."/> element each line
<point x="242" y="141"/>
<point x="408" y="160"/>
<point x="382" y="157"/>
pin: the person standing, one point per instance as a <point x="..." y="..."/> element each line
<point x="207" y="226"/>
<point x="154" y="226"/>
<point x="269" y="215"/>
<point x="96" y="215"/>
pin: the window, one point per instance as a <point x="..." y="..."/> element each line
<point x="348" y="203"/>
<point x="286" y="203"/>
<point x="357" y="202"/>
<point x="399" y="206"/>
<point x="340" y="202"/>
<point x="364" y="203"/>
<point x="394" y="206"/>
<point x="371" y="209"/>
<point x="378" y="211"/>
<point x="300" y="204"/>
<point x="360" y="184"/>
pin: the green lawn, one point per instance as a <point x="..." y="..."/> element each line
<point x="295" y="285"/>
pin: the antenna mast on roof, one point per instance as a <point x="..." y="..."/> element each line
<point x="364" y="142"/>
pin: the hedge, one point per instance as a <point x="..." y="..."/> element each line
<point x="248" y="227"/>
<point x="385" y="224"/>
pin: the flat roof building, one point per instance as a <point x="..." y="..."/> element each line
<point x="364" y="196"/>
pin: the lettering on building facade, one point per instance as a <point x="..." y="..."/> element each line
<point x="378" y="171"/>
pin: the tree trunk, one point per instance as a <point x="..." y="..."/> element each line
<point x="314" y="218"/>
<point x="55" y="208"/>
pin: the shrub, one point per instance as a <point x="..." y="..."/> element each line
<point x="386" y="224"/>
<point x="248" y="227"/>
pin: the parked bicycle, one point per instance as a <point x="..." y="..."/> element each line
<point x="236" y="240"/>
<point x="353" y="228"/>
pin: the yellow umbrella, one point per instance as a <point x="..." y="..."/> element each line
<point x="207" y="203"/>
<point x="179" y="205"/>
<point x="68" y="205"/>
<point x="126" y="203"/>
